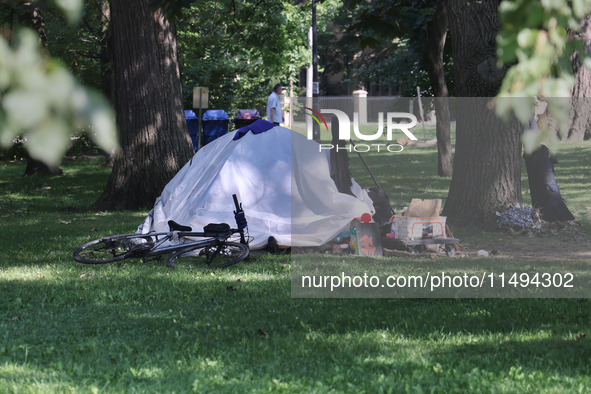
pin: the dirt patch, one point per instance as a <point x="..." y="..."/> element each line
<point x="551" y="244"/>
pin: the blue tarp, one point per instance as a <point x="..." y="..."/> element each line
<point x="259" y="126"/>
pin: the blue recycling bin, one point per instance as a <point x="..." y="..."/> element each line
<point x="215" y="124"/>
<point x="193" y="125"/>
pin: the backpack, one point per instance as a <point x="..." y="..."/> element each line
<point x="381" y="203"/>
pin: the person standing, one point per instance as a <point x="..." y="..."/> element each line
<point x="274" y="113"/>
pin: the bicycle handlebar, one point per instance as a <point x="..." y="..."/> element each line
<point x="236" y="204"/>
<point x="240" y="219"/>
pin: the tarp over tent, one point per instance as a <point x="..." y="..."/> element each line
<point x="282" y="179"/>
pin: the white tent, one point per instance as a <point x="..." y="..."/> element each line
<point x="282" y="179"/>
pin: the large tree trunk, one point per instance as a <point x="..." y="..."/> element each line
<point x="155" y="142"/>
<point x="436" y="45"/>
<point x="31" y="17"/>
<point x="487" y="163"/>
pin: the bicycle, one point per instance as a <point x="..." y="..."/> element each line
<point x="213" y="252"/>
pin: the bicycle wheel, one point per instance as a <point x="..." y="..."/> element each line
<point x="114" y="248"/>
<point x="219" y="255"/>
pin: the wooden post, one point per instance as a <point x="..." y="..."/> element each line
<point x="421" y="112"/>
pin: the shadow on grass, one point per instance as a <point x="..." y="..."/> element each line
<point x="130" y="327"/>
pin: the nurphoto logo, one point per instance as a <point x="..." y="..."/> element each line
<point x="345" y="129"/>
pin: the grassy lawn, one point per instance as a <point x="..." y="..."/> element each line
<point x="141" y="327"/>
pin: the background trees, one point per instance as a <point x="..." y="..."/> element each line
<point x="41" y="102"/>
<point x="239" y="49"/>
<point x="420" y="58"/>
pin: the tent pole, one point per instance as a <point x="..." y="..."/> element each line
<point x="199" y="127"/>
<point x="370" y="173"/>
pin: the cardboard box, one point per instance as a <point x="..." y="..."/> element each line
<point x="417" y="228"/>
<point x="424" y="208"/>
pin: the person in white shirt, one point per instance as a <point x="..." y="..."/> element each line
<point x="274" y="113"/>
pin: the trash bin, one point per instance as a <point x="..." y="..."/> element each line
<point x="193" y="125"/>
<point x="244" y="117"/>
<point x="215" y="124"/>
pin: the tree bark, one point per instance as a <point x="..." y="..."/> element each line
<point x="31" y="17"/>
<point x="436" y="45"/>
<point x="155" y="142"/>
<point x="106" y="56"/>
<point x="580" y="115"/>
<point x="487" y="163"/>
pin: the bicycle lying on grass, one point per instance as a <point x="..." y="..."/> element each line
<point x="215" y="251"/>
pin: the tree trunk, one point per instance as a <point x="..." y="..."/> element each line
<point x="106" y="56"/>
<point x="31" y="17"/>
<point x="436" y="45"/>
<point x="106" y="61"/>
<point x="155" y="142"/>
<point x="580" y="115"/>
<point x="487" y="163"/>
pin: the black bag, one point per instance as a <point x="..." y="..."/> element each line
<point x="544" y="190"/>
<point x="215" y="229"/>
<point x="381" y="203"/>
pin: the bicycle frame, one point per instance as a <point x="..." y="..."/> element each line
<point x="156" y="250"/>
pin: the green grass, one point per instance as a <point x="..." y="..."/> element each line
<point x="140" y="327"/>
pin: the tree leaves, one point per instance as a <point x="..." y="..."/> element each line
<point x="44" y="103"/>
<point x="537" y="37"/>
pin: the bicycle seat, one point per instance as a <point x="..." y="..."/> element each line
<point x="215" y="229"/>
<point x="174" y="226"/>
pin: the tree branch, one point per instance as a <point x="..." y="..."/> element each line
<point x="84" y="53"/>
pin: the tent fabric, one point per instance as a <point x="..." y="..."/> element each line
<point x="281" y="178"/>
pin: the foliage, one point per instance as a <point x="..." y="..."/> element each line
<point x="404" y="68"/>
<point x="398" y="32"/>
<point x="338" y="48"/>
<point x="541" y="46"/>
<point x="381" y="19"/>
<point x="239" y="49"/>
<point x="77" y="45"/>
<point x="42" y="102"/>
<point x="71" y="8"/>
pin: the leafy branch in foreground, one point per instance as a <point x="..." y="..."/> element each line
<point x="539" y="38"/>
<point x="43" y="103"/>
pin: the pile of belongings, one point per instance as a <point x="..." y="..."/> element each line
<point x="519" y="217"/>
